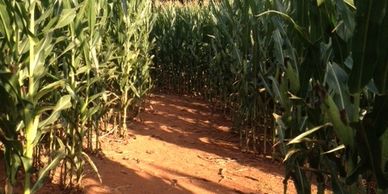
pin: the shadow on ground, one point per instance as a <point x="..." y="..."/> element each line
<point x="189" y="122"/>
<point x="119" y="178"/>
<point x="177" y="145"/>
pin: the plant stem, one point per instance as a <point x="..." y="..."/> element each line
<point x="32" y="125"/>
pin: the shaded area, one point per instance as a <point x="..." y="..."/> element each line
<point x="178" y="145"/>
<point x="128" y="176"/>
<point x="48" y="188"/>
<point x="189" y="122"/>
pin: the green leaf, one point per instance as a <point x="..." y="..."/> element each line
<point x="300" y="137"/>
<point x="91" y="16"/>
<point x="67" y="16"/>
<point x="365" y="51"/>
<point x="293" y="77"/>
<point x="341" y="126"/>
<point x="59" y="155"/>
<point x="279" y="94"/>
<point x="63" y="103"/>
<point x="49" y="88"/>
<point x="94" y="167"/>
<point x="337" y="79"/>
<point x="5" y="20"/>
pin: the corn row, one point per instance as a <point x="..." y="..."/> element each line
<point x="64" y="65"/>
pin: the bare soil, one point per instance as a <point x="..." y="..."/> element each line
<point x="177" y="145"/>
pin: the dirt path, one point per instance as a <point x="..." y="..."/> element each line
<point x="178" y="146"/>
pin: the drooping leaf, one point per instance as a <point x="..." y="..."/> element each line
<point x="63" y="103"/>
<point x="94" y="167"/>
<point x="59" y="155"/>
<point x="300" y="137"/>
<point x="340" y="147"/>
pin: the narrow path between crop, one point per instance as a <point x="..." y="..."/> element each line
<point x="177" y="145"/>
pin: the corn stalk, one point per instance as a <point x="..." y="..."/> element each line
<point x="318" y="66"/>
<point x="58" y="63"/>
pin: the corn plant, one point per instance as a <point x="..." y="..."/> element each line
<point x="216" y="59"/>
<point x="30" y="39"/>
<point x="246" y="46"/>
<point x="58" y="65"/>
<point x="85" y="85"/>
<point x="131" y="31"/>
<point x="305" y="61"/>
<point x="329" y="149"/>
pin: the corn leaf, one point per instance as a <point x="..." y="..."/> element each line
<point x="366" y="36"/>
<point x="299" y="138"/>
<point x="59" y="155"/>
<point x="63" y="103"/>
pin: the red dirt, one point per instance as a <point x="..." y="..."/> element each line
<point x="178" y="146"/>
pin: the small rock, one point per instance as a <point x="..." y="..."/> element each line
<point x="119" y="151"/>
<point x="150" y="152"/>
<point x="174" y="182"/>
<point x="125" y="158"/>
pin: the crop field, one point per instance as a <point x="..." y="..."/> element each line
<point x="207" y="96"/>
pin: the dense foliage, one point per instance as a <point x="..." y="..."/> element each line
<point x="63" y="65"/>
<point x="318" y="67"/>
<point x="305" y="81"/>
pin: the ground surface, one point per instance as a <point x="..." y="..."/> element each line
<point x="178" y="146"/>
